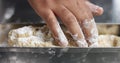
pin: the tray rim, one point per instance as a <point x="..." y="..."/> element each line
<point x="58" y="49"/>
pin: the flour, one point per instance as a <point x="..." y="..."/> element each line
<point x="61" y="37"/>
<point x="41" y="38"/>
<point x="80" y="42"/>
<point x="28" y="30"/>
<point x="34" y="38"/>
<point x="93" y="35"/>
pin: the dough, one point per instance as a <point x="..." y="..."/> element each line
<point x="108" y="29"/>
<point x="30" y="36"/>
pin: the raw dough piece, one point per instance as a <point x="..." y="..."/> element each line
<point x="108" y="29"/>
<point x="30" y="36"/>
<point x="109" y="41"/>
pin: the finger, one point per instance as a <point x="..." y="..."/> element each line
<point x="87" y="23"/>
<point x="91" y="32"/>
<point x="54" y="26"/>
<point x="96" y="10"/>
<point x="52" y="23"/>
<point x="71" y="23"/>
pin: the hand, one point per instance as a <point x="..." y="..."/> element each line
<point x="76" y="15"/>
<point x="96" y="10"/>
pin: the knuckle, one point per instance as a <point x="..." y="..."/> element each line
<point x="85" y="17"/>
<point x="70" y="19"/>
<point x="64" y="11"/>
<point x="49" y="18"/>
<point x="68" y="16"/>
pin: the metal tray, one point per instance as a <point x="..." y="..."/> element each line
<point x="57" y="50"/>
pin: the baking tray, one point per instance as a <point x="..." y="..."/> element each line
<point x="57" y="49"/>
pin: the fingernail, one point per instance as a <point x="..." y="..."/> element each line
<point x="63" y="44"/>
<point x="94" y="44"/>
<point x="98" y="9"/>
<point x="82" y="43"/>
<point x="92" y="40"/>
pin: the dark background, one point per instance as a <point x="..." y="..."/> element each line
<point x="23" y="13"/>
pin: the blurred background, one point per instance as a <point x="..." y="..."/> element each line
<point x="19" y="11"/>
